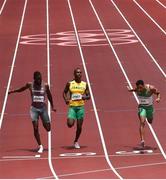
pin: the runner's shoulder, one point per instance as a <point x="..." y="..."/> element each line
<point x="70" y="82"/>
<point x="150" y="88"/>
<point x="29" y="84"/>
<point x="46" y="85"/>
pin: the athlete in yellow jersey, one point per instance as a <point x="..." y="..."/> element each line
<point x="75" y="94"/>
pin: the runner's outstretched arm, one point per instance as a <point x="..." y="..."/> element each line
<point x="27" y="86"/>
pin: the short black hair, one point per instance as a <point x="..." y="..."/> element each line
<point x="36" y="73"/>
<point x="140" y="82"/>
<point x="75" y="70"/>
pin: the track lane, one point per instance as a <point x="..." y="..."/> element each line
<point x="133" y="66"/>
<point x="106" y="110"/>
<point x="8" y="37"/>
<point x="103" y="68"/>
<point x="61" y="73"/>
<point x="155" y="77"/>
<point x="17" y="134"/>
<point x="2" y="6"/>
<point x="155" y="10"/>
<point x="161" y="3"/>
<point x="147" y="35"/>
<point x="106" y="124"/>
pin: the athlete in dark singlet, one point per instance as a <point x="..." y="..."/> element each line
<point x="38" y="90"/>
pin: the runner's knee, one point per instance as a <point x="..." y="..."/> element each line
<point x="35" y="126"/>
<point x="150" y="120"/>
<point x="142" y="123"/>
<point x="47" y="126"/>
<point x="70" y="123"/>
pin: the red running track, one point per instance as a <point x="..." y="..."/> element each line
<point x="116" y="108"/>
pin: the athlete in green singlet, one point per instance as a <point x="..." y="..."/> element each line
<point x="145" y="93"/>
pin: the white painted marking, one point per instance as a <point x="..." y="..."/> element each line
<point x="154" y="60"/>
<point x="3" y="5"/>
<point x="92" y="97"/>
<point x="78" y="154"/>
<point x="87" y="37"/>
<point x="18" y="157"/>
<point x="134" y="152"/>
<point x="150" y="17"/>
<point x="107" y="169"/>
<point x="37" y="155"/>
<point x="161" y="4"/>
<point x="151" y="129"/>
<point x="12" y="67"/>
<point x="48" y="74"/>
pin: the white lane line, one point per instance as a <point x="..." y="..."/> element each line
<point x="142" y="165"/>
<point x="161" y="70"/>
<point x="126" y="76"/>
<point x="161" y="4"/>
<point x="118" y="168"/>
<point x="48" y="76"/>
<point x="153" y="59"/>
<point x="150" y="17"/>
<point x="103" y="170"/>
<point x="12" y="66"/>
<point x="92" y="97"/>
<point x="11" y="158"/>
<point x="3" y="5"/>
<point x="21" y="157"/>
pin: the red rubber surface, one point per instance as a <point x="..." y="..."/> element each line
<point x="116" y="108"/>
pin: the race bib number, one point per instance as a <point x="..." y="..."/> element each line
<point x="76" y="97"/>
<point x="145" y="101"/>
<point x="38" y="98"/>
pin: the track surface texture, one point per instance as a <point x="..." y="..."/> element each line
<point x="115" y="43"/>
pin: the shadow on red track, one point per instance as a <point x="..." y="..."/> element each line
<point x="145" y="148"/>
<point x="72" y="147"/>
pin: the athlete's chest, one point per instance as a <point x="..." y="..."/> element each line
<point x="38" y="93"/>
<point x="145" y="93"/>
<point x="77" y="87"/>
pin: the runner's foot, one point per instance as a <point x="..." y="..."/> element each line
<point x="142" y="143"/>
<point x="76" y="145"/>
<point x="40" y="150"/>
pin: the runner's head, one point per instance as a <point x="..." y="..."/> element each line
<point x="37" y="77"/>
<point x="77" y="74"/>
<point x="140" y="85"/>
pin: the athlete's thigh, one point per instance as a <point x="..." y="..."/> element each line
<point x="35" y="125"/>
<point x="142" y="114"/>
<point x="72" y="114"/>
<point x="44" y="116"/>
<point x="34" y="114"/>
<point x="80" y="113"/>
<point x="150" y="112"/>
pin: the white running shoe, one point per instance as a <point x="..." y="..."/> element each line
<point x="40" y="149"/>
<point x="76" y="145"/>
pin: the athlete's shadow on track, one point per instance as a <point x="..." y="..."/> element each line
<point x="72" y="147"/>
<point x="32" y="150"/>
<point x="145" y="148"/>
<point x="139" y="148"/>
